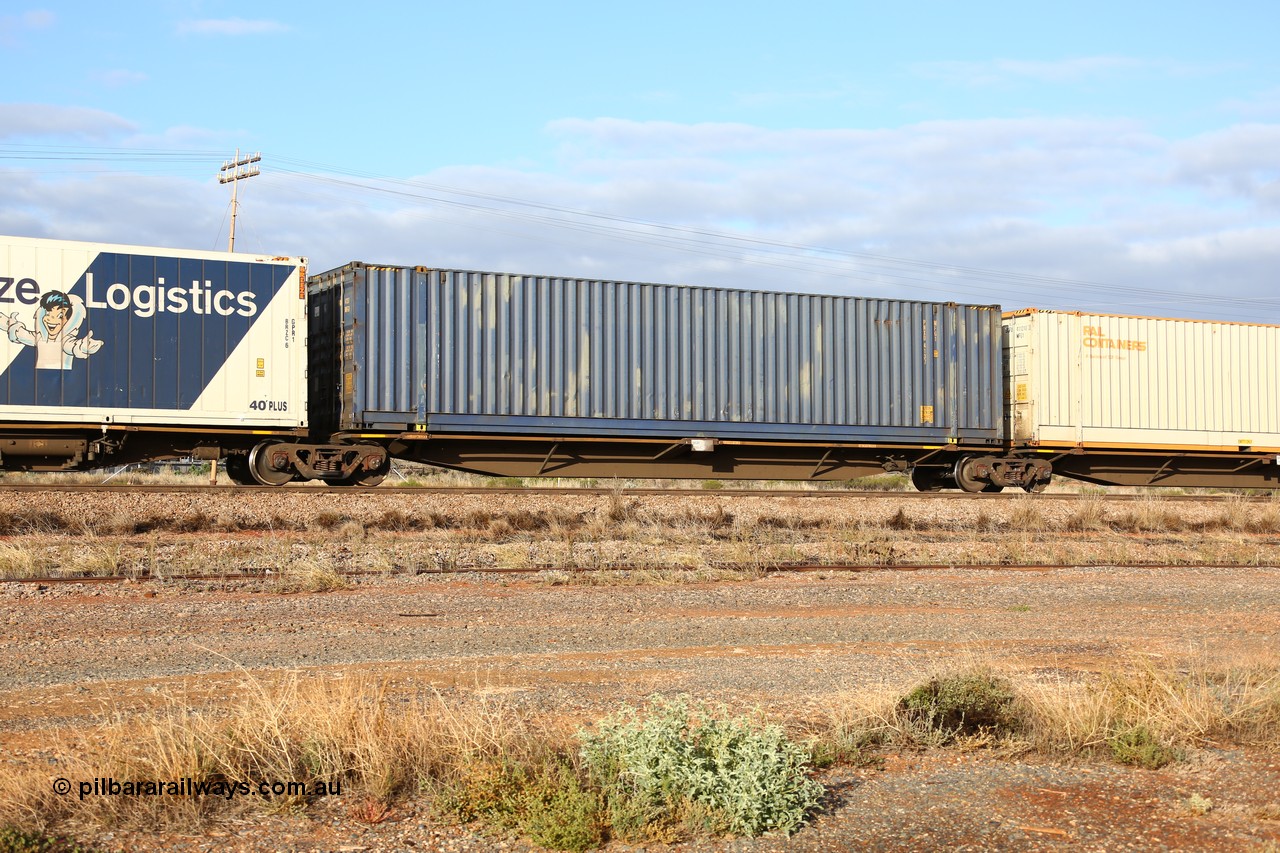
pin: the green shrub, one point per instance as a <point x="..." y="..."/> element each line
<point x="559" y="812"/>
<point x="1137" y="745"/>
<point x="678" y="769"/>
<point x="966" y="703"/>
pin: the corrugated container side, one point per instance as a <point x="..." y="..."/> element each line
<point x="1120" y="381"/>
<point x="100" y="333"/>
<point x="463" y="351"/>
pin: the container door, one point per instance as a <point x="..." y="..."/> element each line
<point x="1020" y="367"/>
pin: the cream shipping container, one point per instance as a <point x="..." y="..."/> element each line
<point x="1115" y="392"/>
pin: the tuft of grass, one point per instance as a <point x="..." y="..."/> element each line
<point x="328" y="520"/>
<point x="704" y="521"/>
<point x="195" y="522"/>
<point x="1027" y="515"/>
<point x="1271" y="811"/>
<point x="20" y="561"/>
<point x="901" y="521"/>
<point x="24" y="522"/>
<point x="351" y="530"/>
<point x="395" y="520"/>
<point x="620" y="509"/>
<point x="1149" y="515"/>
<point x="344" y="733"/>
<point x="1089" y="514"/>
<point x="504" y="482"/>
<point x="97" y="560"/>
<point x="309" y="575"/>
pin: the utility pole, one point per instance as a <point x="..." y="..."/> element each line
<point x="232" y="173"/>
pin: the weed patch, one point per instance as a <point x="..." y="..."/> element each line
<point x="1137" y="745"/>
<point x="545" y="800"/>
<point x="14" y="840"/>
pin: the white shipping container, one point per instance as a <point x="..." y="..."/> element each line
<point x="1102" y="381"/>
<point x="107" y="334"/>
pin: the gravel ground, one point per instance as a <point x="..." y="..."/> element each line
<point x="788" y="644"/>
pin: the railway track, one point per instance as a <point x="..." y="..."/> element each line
<point x="853" y="568"/>
<point x="626" y="492"/>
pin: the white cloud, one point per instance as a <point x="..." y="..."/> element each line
<point x="113" y="208"/>
<point x="27" y="120"/>
<point x="1237" y="162"/>
<point x="230" y="27"/>
<point x="1089" y="201"/>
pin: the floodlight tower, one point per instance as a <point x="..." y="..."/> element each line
<point x="234" y="171"/>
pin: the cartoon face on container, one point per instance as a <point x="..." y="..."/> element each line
<point x="57" y="310"/>
<point x="58" y="319"/>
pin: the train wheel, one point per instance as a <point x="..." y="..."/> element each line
<point x="372" y="479"/>
<point x="967" y="477"/>
<point x="238" y="470"/>
<point x="927" y="479"/>
<point x="262" y="468"/>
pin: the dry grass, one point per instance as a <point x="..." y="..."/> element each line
<point x="346" y="732"/>
<point x="1149" y="515"/>
<point x="1027" y="515"/>
<point x="19" y="560"/>
<point x="308" y="575"/>
<point x="1089" y="514"/>
<point x="1136" y="713"/>
<point x="1191" y="705"/>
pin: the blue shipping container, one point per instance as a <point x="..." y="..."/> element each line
<point x="461" y="352"/>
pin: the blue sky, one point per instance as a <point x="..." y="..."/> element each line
<point x="1101" y="156"/>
